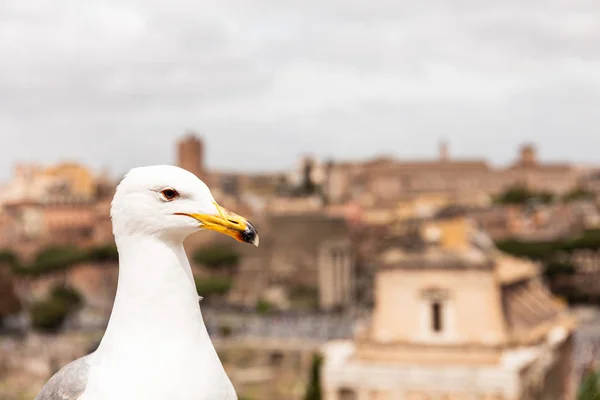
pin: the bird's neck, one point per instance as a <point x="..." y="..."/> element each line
<point x="156" y="343"/>
<point x="156" y="295"/>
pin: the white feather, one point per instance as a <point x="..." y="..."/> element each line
<point x="156" y="345"/>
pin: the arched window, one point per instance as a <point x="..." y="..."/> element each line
<point x="436" y="316"/>
<point x="435" y="311"/>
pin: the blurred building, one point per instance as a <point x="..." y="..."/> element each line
<point x="591" y="181"/>
<point x="236" y="187"/>
<point x="54" y="205"/>
<point x="190" y="155"/>
<point x="454" y="319"/>
<point x="380" y="182"/>
<point x="304" y="261"/>
<point x="539" y="222"/>
<point x="383" y="189"/>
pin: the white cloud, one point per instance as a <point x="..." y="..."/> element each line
<point x="115" y="82"/>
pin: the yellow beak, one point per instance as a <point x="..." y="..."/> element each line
<point x="228" y="223"/>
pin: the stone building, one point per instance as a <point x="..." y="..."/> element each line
<point x="455" y="319"/>
<point x="303" y="260"/>
<point x="230" y="185"/>
<point x="59" y="204"/>
<point x="538" y="222"/>
<point x="465" y="181"/>
<point x="384" y="188"/>
<point x="190" y="155"/>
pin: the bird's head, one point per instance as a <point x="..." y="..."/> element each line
<point x="172" y="203"/>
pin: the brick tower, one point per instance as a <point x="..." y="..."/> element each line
<point x="190" y="154"/>
<point x="443" y="151"/>
<point x="528" y="155"/>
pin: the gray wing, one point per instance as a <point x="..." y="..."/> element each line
<point x="68" y="383"/>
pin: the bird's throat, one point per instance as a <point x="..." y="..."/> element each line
<point x="155" y="330"/>
<point x="156" y="297"/>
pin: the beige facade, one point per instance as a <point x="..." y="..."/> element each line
<point x="455" y="319"/>
<point x="61" y="204"/>
<point x="32" y="182"/>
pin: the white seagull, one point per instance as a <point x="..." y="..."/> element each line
<point x="156" y="345"/>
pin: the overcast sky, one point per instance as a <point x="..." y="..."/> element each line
<point x="115" y="83"/>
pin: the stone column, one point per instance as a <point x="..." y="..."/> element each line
<point x="342" y="268"/>
<point x="340" y="276"/>
<point x="326" y="278"/>
<point x="334" y="277"/>
<point x="332" y="274"/>
<point x="345" y="276"/>
<point x="349" y="277"/>
<point x="339" y="257"/>
<point x="322" y="276"/>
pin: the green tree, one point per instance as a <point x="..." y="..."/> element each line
<point x="514" y="195"/>
<point x="590" y="239"/>
<point x="533" y="250"/>
<point x="61" y="258"/>
<point x="308" y="186"/>
<point x="216" y="256"/>
<point x="105" y="253"/>
<point x="49" y="314"/>
<point x="313" y="390"/>
<point x="578" y="193"/>
<point x="590" y="387"/>
<point x="545" y="251"/>
<point x="544" y="197"/>
<point x="263" y="306"/>
<point x="7" y="257"/>
<point x="520" y="194"/>
<point x="212" y="286"/>
<point x="68" y="295"/>
<point x="557" y="268"/>
<point x="55" y="258"/>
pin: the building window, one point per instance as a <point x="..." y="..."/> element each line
<point x="276" y="358"/>
<point x="436" y="316"/>
<point x="436" y="313"/>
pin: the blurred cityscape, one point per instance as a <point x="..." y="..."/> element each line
<point x="376" y="279"/>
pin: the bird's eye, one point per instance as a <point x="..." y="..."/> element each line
<point x="169" y="194"/>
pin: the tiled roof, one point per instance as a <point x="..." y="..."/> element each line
<point x="528" y="304"/>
